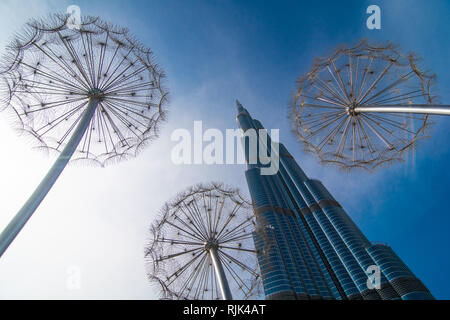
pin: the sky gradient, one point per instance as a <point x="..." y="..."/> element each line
<point x="214" y="52"/>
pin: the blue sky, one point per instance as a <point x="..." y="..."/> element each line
<point x="214" y="52"/>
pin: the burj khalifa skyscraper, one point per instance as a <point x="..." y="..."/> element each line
<point x="308" y="247"/>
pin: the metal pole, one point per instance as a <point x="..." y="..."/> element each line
<point x="223" y="282"/>
<point x="417" y="108"/>
<point x="21" y="218"/>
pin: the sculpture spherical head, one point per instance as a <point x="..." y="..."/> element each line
<point x="51" y="71"/>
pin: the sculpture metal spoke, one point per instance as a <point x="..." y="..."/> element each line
<point x="201" y="247"/>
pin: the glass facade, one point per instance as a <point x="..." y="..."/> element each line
<point x="307" y="246"/>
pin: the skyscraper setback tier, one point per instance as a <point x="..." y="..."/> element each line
<point x="307" y="245"/>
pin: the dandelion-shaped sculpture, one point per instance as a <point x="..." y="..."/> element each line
<point x="363" y="106"/>
<point x="201" y="246"/>
<point x="90" y="93"/>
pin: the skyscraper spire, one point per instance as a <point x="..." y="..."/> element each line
<point x="307" y="245"/>
<point x="241" y="109"/>
<point x="239" y="106"/>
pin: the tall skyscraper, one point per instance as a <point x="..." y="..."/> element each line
<point x="307" y="245"/>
